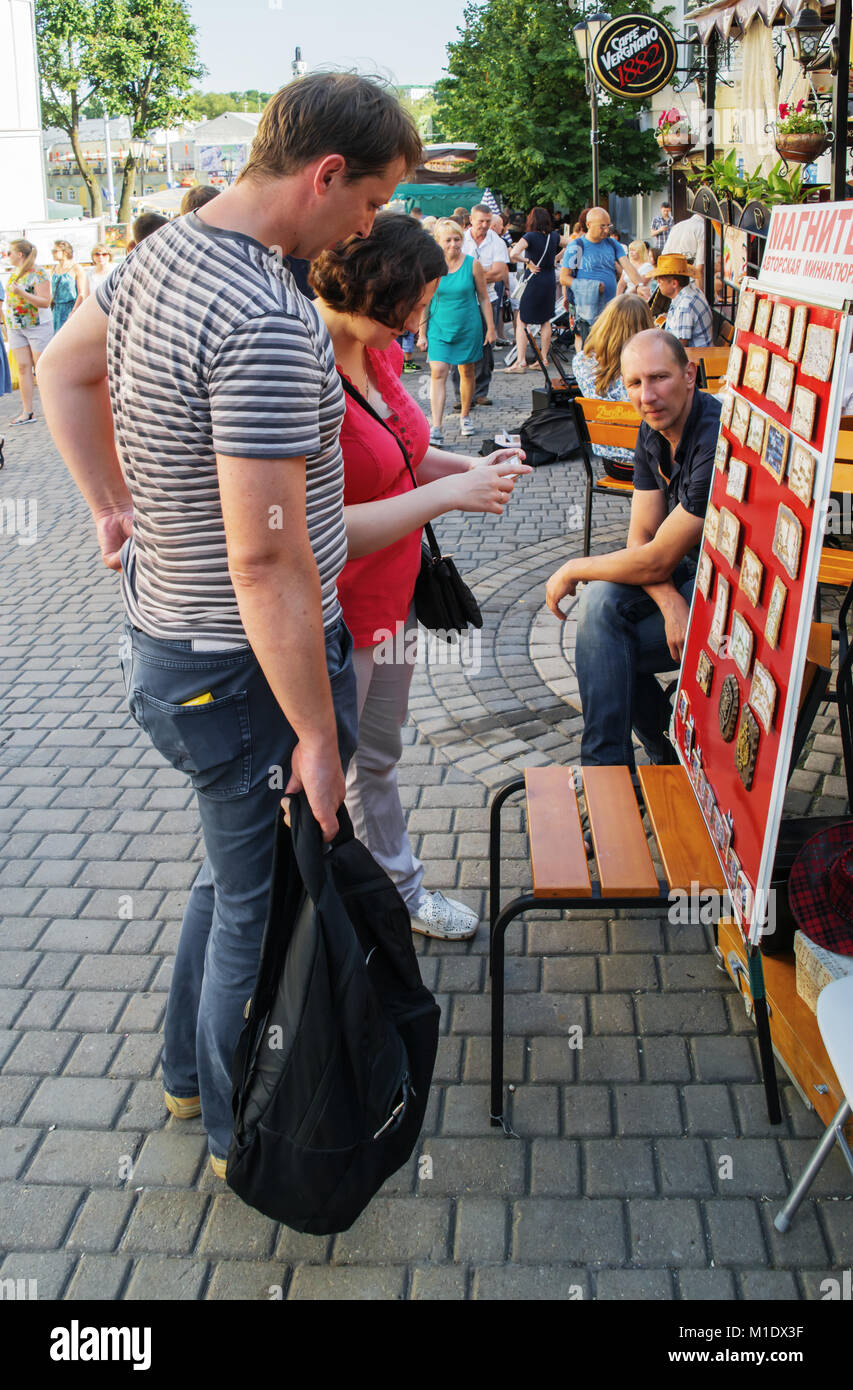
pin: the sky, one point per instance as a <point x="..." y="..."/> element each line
<point x="249" y="45"/>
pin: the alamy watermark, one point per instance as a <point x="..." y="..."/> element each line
<point x="19" y="518"/>
<point x="418" y="646"/>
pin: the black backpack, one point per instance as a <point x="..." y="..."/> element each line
<point x="550" y="435"/>
<point x="333" y="1068"/>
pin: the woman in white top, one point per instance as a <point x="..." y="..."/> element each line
<point x="102" y="264"/>
<point x="638" y="255"/>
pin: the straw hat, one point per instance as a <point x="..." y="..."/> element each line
<point x="672" y="264"/>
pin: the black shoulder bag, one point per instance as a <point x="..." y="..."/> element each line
<point x="443" y="602"/>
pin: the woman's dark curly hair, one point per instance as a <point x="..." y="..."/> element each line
<point x="381" y="276"/>
<point x="539" y="220"/>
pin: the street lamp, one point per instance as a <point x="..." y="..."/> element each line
<point x="807" y="33"/>
<point x="139" y="147"/>
<point x="585" y="34"/>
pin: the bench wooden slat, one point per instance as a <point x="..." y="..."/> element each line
<point x="608" y="412"/>
<point x="622" y="436"/>
<point x="819" y="649"/>
<point x="836" y="567"/>
<point x="608" y="484"/>
<point x="844" y="452"/>
<point x="557" y="854"/>
<point x="842" y="473"/>
<point x="686" y="849"/>
<point x="625" y="867"/>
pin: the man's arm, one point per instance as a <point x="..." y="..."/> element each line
<point x="278" y="592"/>
<point x="648" y="512"/>
<point x="624" y="264"/>
<point x="648" y="563"/>
<point x="72" y="378"/>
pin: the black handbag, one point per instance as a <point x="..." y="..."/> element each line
<point x="333" y="1068"/>
<point x="443" y="601"/>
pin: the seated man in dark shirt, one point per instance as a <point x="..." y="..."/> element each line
<point x="633" y="618"/>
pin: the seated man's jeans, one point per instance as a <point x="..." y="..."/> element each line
<point x="236" y="751"/>
<point x="621" y="645"/>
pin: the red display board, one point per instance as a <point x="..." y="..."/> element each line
<point x="745" y="651"/>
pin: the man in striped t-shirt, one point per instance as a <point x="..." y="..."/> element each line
<point x="196" y="402"/>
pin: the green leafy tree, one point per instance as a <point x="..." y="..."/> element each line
<point x="146" y="60"/>
<point x="516" y="87"/>
<point x="66" y="32"/>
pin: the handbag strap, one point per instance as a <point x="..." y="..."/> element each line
<point x="353" y="391"/>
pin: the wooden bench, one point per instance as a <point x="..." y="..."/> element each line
<point x="610" y="423"/>
<point x="836" y="566"/>
<point x="713" y="363"/>
<point x="625" y="873"/>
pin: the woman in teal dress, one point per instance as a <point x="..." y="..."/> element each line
<point x="459" y="321"/>
<point x="67" y="283"/>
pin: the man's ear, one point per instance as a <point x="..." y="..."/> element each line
<point x="690" y="373"/>
<point x="326" y="170"/>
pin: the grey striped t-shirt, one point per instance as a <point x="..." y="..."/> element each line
<point x="212" y="349"/>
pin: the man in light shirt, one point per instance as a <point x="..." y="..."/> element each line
<point x="687" y="238"/>
<point x="490" y="250"/>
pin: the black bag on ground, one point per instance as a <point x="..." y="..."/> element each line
<point x="333" y="1068"/>
<point x="550" y="435"/>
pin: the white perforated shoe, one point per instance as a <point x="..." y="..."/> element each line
<point x="444" y="918"/>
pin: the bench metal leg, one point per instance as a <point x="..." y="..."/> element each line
<point x="815" y="1163"/>
<point x="765" y="1043"/>
<point x="496" y="971"/>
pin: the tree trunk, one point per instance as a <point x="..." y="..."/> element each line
<point x="128" y="188"/>
<point x="93" y="187"/>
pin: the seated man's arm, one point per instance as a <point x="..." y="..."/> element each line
<point x="648" y="512"/>
<point x="647" y="563"/>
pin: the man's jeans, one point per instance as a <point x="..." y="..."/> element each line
<point x="231" y="749"/>
<point x="621" y="644"/>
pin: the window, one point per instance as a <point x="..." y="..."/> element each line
<point x="58" y="195"/>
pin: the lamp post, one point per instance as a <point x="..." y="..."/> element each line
<point x="139" y="148"/>
<point x="585" y="33"/>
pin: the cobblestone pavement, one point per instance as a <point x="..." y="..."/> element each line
<point x="616" y="1185"/>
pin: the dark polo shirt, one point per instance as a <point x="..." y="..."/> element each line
<point x="686" y="480"/>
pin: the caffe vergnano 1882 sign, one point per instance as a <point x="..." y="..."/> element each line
<point x="634" y="56"/>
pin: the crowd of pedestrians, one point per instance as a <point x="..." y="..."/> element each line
<point x="262" y="499"/>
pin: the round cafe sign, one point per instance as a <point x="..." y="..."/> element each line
<point x="634" y="56"/>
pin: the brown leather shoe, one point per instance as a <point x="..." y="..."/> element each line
<point x="482" y="400"/>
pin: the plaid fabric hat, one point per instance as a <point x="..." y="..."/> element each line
<point x="820" y="889"/>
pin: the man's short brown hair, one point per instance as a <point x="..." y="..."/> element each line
<point x="332" y="113"/>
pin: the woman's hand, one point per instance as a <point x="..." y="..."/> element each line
<point x="491" y="332"/>
<point x="533" y="269"/>
<point x="499" y="456"/>
<point x="485" y="488"/>
<point x="422" y="342"/>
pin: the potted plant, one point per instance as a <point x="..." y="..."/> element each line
<point x="673" y="133"/>
<point x="801" y="135"/>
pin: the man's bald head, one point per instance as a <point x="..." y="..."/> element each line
<point x="660" y="380"/>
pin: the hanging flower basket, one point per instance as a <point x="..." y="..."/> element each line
<point x="673" y="134"/>
<point x="802" y="149"/>
<point x="676" y="144"/>
<point x="801" y="135"/>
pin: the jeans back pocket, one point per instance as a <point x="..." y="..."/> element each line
<point x="211" y="743"/>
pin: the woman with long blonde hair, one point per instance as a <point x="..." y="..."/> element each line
<point x="597" y="366"/>
<point x="29" y="322"/>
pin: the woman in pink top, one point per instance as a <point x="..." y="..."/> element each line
<point x="370" y="290"/>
